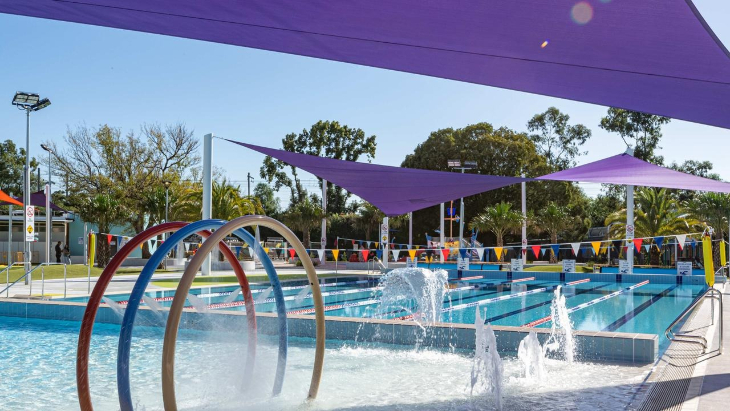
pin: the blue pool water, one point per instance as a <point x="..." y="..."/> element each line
<point x="648" y="308"/>
<point x="37" y="369"/>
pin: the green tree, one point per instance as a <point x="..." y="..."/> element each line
<point x="697" y="168"/>
<point x="129" y="168"/>
<point x="644" y="129"/>
<point x="499" y="219"/>
<point x="326" y="139"/>
<point x="11" y="172"/>
<point x="499" y="151"/>
<point x="656" y="213"/>
<point x="553" y="220"/>
<point x="712" y="209"/>
<point x="304" y="216"/>
<point x="555" y="139"/>
<point x="270" y="203"/>
<point x="227" y="203"/>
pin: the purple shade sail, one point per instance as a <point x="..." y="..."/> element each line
<point x="655" y="56"/>
<point x="37" y="199"/>
<point x="625" y="169"/>
<point x="393" y="190"/>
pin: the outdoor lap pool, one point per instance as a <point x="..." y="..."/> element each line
<point x="594" y="305"/>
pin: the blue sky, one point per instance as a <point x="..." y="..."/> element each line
<point x="98" y="75"/>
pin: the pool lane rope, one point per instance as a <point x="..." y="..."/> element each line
<point x="92" y="306"/>
<point x="588" y="303"/>
<point x="183" y="288"/>
<point x="143" y="280"/>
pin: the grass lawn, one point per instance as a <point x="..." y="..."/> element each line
<point x="56" y="272"/>
<point x="201" y="281"/>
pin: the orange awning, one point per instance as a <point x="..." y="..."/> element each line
<point x="6" y="199"/>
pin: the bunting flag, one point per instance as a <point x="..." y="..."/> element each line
<point x="647" y="247"/>
<point x="353" y="243"/>
<point x="723" y="253"/>
<point x="377" y="244"/>
<point x="120" y="240"/>
<point x="238" y="251"/>
<point x="694" y="243"/>
<point x="412" y="254"/>
<point x="480" y="253"/>
<point x="576" y="248"/>
<point x="659" y="241"/>
<point x="266" y="249"/>
<point x="321" y="255"/>
<point x="637" y="243"/>
<point x="409" y="246"/>
<point x="291" y="253"/>
<point x="498" y="252"/>
<point x="681" y="238"/>
<point x="335" y="253"/>
<point x="707" y="254"/>
<point x="536" y="250"/>
<point x="250" y="251"/>
<point x="108" y="238"/>
<point x="379" y="254"/>
<point x="462" y="252"/>
<point x="418" y="247"/>
<point x="396" y="253"/>
<point x="556" y="249"/>
<point x="187" y="246"/>
<point x="446" y="253"/>
<point x="596" y="246"/>
<point x="368" y="243"/>
<point x="365" y="254"/>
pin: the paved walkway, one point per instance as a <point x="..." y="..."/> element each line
<point x="715" y="391"/>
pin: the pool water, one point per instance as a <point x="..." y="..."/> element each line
<point x="37" y="365"/>
<point x="648" y="308"/>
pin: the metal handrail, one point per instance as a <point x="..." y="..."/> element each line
<point x="30" y="290"/>
<point x="7" y="275"/>
<point x="671" y="336"/>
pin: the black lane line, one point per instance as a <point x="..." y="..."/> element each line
<point x="550" y="301"/>
<point x="636" y="311"/>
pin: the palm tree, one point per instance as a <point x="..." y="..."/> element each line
<point x="711" y="208"/>
<point x="303" y="216"/>
<point x="553" y="219"/>
<point x="227" y="203"/>
<point x="499" y="219"/>
<point x="656" y="214"/>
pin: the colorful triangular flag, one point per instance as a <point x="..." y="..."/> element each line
<point x="498" y="252"/>
<point x="576" y="248"/>
<point x="480" y="253"/>
<point x="681" y="238"/>
<point x="396" y="253"/>
<point x="536" y="250"/>
<point x="596" y="246"/>
<point x="320" y="253"/>
<point x="412" y="254"/>
<point x="335" y="253"/>
<point x="637" y="243"/>
<point x="291" y="252"/>
<point x="446" y="253"/>
<point x="556" y="249"/>
<point x="462" y="252"/>
<point x="365" y="254"/>
<point x="658" y="241"/>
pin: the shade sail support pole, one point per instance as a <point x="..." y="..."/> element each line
<point x="207" y="187"/>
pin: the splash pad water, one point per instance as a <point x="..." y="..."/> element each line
<point x="183" y="230"/>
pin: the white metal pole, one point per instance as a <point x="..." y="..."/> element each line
<point x="410" y="230"/>
<point x="524" y="221"/>
<point x="207" y="187"/>
<point x="441" y="229"/>
<point x="630" y="227"/>
<point x="386" y="242"/>
<point x="323" y="239"/>
<point x="86" y="245"/>
<point x="461" y="219"/>
<point x="49" y="221"/>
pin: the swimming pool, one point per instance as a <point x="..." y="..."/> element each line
<point x="38" y="356"/>
<point x="643" y="307"/>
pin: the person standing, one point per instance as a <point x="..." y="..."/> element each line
<point x="59" y="251"/>
<point x="66" y="254"/>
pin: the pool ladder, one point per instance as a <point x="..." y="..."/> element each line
<point x="711" y="293"/>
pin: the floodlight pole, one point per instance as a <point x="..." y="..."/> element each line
<point x="207" y="187"/>
<point x="630" y="221"/>
<point x="461" y="219"/>
<point x="26" y="198"/>
<point x="49" y="213"/>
